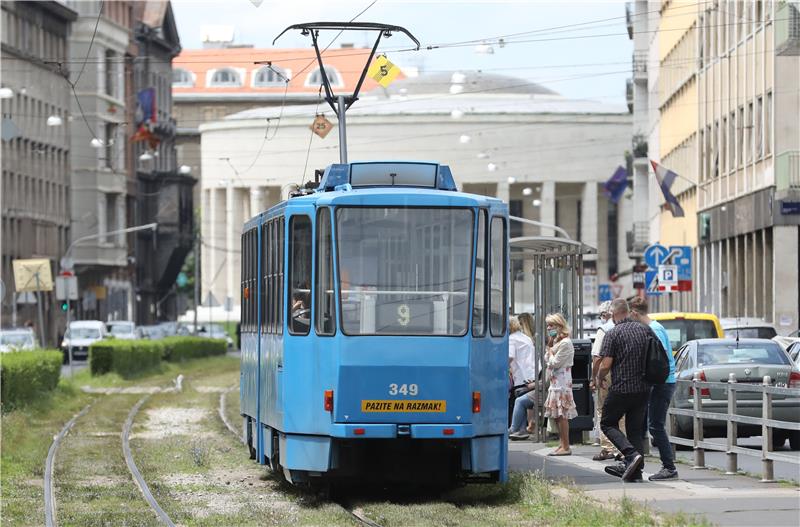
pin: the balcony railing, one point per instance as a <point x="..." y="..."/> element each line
<point x="640" y="66"/>
<point x="787" y="170"/>
<point x="637" y="239"/>
<point x="787" y="28"/>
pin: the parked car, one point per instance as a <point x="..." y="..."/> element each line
<point x="747" y="328"/>
<point x="750" y="360"/>
<point x="80" y="335"/>
<point x="683" y="327"/>
<point x="17" y="339"/>
<point x="124" y="329"/>
<point x="152" y="332"/>
<point x="168" y="329"/>
<point x="216" y="331"/>
<point x="794" y="353"/>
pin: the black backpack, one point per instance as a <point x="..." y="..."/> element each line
<point x="656" y="363"/>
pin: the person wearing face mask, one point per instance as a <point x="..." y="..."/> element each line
<point x="560" y="404"/>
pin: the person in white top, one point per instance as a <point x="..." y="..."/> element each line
<point x="520" y="353"/>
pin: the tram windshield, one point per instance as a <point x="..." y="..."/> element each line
<point x="404" y="271"/>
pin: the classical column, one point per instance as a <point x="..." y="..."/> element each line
<point x="503" y="191"/>
<point x="209" y="234"/>
<point x="547" y="209"/>
<point x="589" y="214"/>
<point x="230" y="241"/>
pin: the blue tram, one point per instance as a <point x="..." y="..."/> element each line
<point x="374" y="329"/>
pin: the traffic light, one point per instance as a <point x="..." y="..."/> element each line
<point x="64" y="306"/>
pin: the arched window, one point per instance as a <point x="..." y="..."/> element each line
<point x="270" y="76"/>
<point x="225" y="77"/>
<point x="315" y="77"/>
<point x="182" y="78"/>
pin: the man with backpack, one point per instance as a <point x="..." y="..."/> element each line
<point x="624" y="354"/>
<point x="660" y="394"/>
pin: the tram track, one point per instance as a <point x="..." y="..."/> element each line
<point x="223" y="397"/>
<point x="358" y="515"/>
<point x="49" y="493"/>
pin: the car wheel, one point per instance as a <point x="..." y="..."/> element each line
<point x="794" y="439"/>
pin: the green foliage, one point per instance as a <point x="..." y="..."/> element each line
<point x="181" y="348"/>
<point x="25" y="375"/>
<point x="125" y="357"/>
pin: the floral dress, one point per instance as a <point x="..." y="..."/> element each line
<point x="560" y="402"/>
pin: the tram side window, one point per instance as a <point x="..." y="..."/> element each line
<point x="279" y="303"/>
<point x="273" y="291"/>
<point x="299" y="275"/>
<point x="270" y="263"/>
<point x="497" y="275"/>
<point x="481" y="273"/>
<point x="243" y="272"/>
<point x="252" y="275"/>
<point x="325" y="314"/>
<point x="263" y="277"/>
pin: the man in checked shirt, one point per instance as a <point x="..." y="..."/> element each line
<point x="623" y="351"/>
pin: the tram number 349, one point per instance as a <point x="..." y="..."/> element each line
<point x="403" y="389"/>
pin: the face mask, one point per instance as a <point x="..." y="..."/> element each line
<point x="552" y="332"/>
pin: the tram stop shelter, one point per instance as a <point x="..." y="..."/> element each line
<point x="557" y="286"/>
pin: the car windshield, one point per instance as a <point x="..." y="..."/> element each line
<point x="216" y="330"/>
<point x="120" y="329"/>
<point x="681" y="331"/>
<point x="404" y="271"/>
<point x="16" y="340"/>
<point x="84" y="333"/>
<point x="766" y="353"/>
<point x="764" y="332"/>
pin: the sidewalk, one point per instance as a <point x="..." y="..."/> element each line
<point x="721" y="499"/>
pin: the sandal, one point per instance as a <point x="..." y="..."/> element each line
<point x="559" y="452"/>
<point x="603" y="455"/>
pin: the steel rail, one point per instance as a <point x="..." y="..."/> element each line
<point x="137" y="476"/>
<point x="49" y="495"/>
<point x="221" y="410"/>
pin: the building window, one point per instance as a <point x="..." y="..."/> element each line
<point x="315" y="77"/>
<point x="182" y="78"/>
<point x="768" y="125"/>
<point x="750" y="124"/>
<point x="111" y="88"/>
<point x="759" y="127"/>
<point x="270" y="76"/>
<point x="740" y="137"/>
<point x="225" y="77"/>
<point x="111" y="130"/>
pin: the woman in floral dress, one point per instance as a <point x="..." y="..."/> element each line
<point x="560" y="405"/>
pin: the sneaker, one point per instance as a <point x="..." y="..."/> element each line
<point x="603" y="455"/>
<point x="518" y="436"/>
<point x="615" y="470"/>
<point x="664" y="473"/>
<point x="619" y="457"/>
<point x="633" y="467"/>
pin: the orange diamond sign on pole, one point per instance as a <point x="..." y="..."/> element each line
<point x="321" y="126"/>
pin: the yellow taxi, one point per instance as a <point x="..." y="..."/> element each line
<point x="683" y="327"/>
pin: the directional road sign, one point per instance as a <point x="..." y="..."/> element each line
<point x="654" y="255"/>
<point x="604" y="292"/>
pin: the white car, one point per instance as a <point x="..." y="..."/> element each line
<point x="216" y="331"/>
<point x="80" y="335"/>
<point x="124" y="329"/>
<point x="17" y="340"/>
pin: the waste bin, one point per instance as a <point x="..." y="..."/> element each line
<point x="581" y="375"/>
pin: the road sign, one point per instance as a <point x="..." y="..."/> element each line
<point x="651" y="282"/>
<point x="668" y="278"/>
<point x="654" y="255"/>
<point x="211" y="300"/>
<point x="66" y="287"/>
<point x="604" y="292"/>
<point x="682" y="257"/>
<point x="32" y="275"/>
<point x="590" y="290"/>
<point x="321" y="126"/>
<point x="26" y="297"/>
<point x="639" y="276"/>
<point x="228" y="303"/>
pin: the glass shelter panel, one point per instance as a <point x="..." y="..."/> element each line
<point x="404" y="271"/>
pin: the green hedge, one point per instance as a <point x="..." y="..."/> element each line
<point x="179" y="349"/>
<point x="131" y="357"/>
<point x="25" y="375"/>
<point x="126" y="357"/>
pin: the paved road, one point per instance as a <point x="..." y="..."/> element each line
<point x="77" y="366"/>
<point x="723" y="500"/>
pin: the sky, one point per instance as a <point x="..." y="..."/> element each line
<point x="578" y="49"/>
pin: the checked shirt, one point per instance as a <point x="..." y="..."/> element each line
<point x="626" y="343"/>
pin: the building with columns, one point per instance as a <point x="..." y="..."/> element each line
<point x="546" y="155"/>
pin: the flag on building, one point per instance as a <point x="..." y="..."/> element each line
<point x="615" y="187"/>
<point x="665" y="178"/>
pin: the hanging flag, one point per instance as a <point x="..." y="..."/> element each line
<point x="146" y="106"/>
<point x="615" y="187"/>
<point x="383" y="71"/>
<point x="665" y="178"/>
